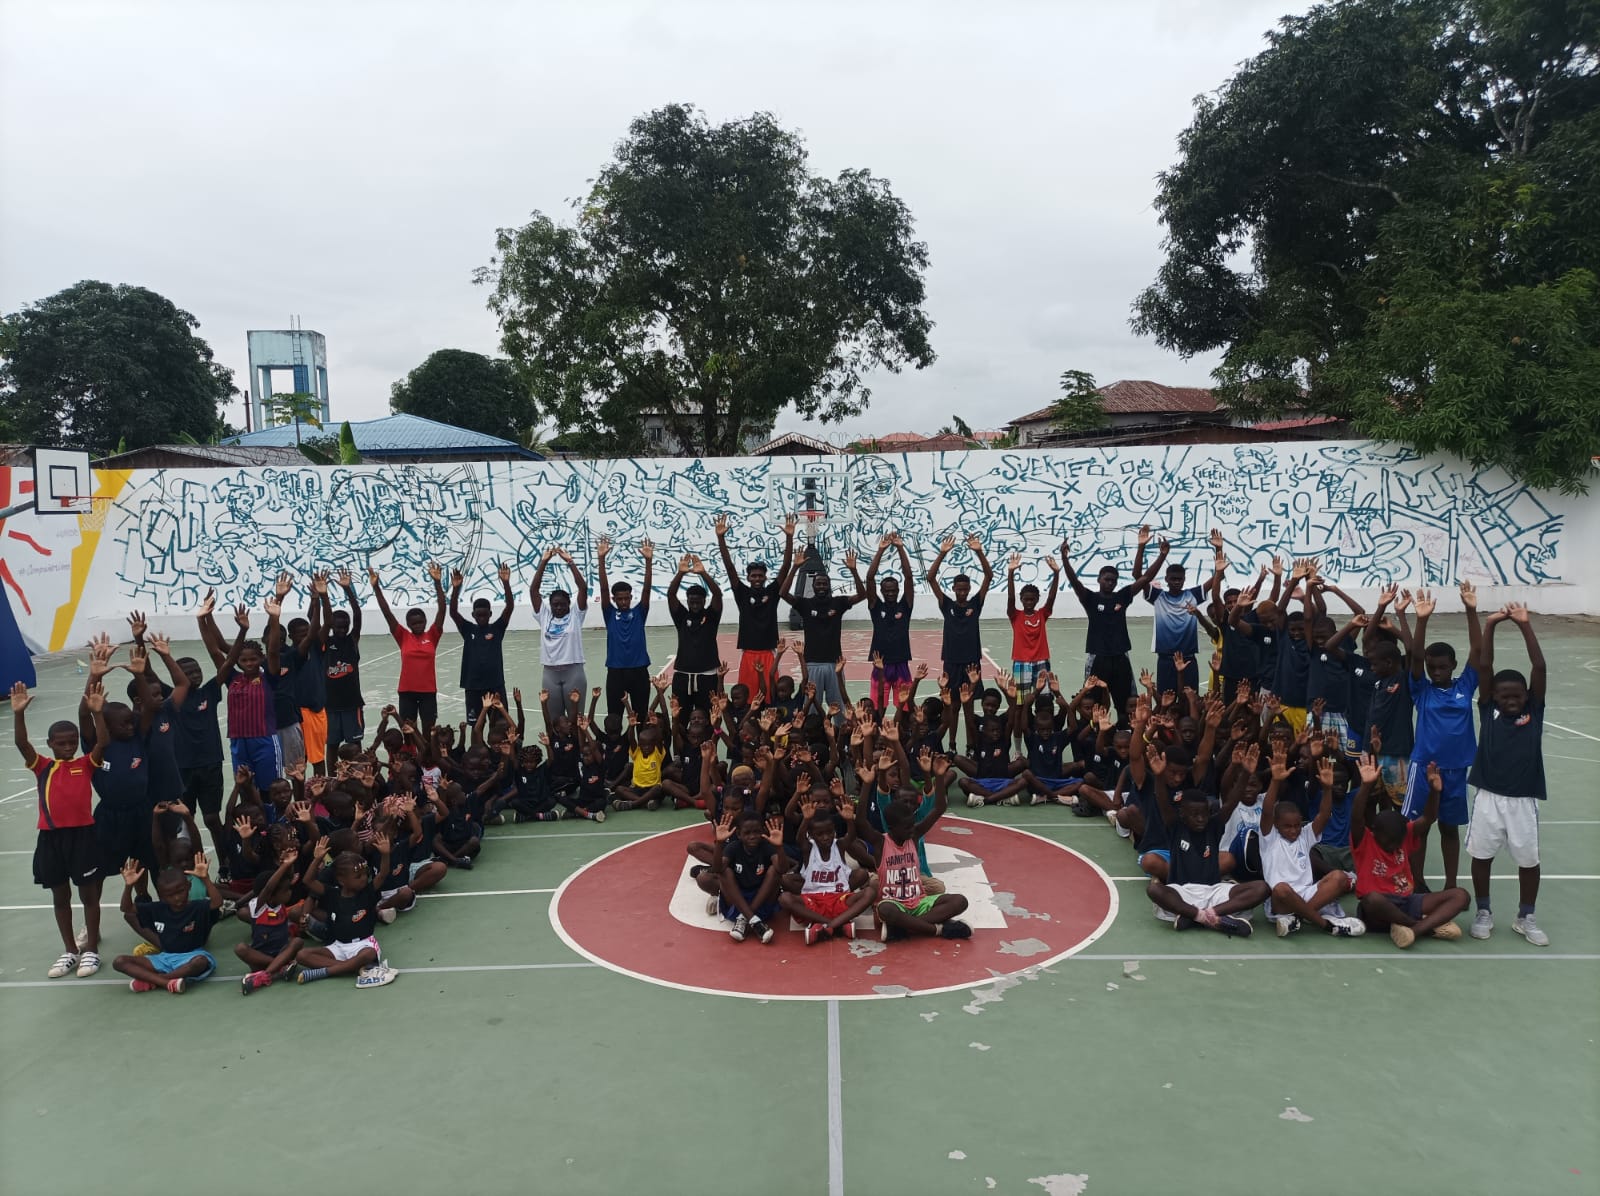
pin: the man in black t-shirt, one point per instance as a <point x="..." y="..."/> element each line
<point x="341" y="667"/>
<point x="1106" y="641"/>
<point x="890" y="611"/>
<point x="696" y="672"/>
<point x="822" y="616"/>
<point x="758" y="609"/>
<point x="961" y="610"/>
<point x="483" y="643"/>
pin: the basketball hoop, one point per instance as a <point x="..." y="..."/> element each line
<point x="811" y="521"/>
<point x="93" y="519"/>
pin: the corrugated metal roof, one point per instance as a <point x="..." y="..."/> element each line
<point x="207" y="454"/>
<point x="392" y="434"/>
<point x="1135" y="397"/>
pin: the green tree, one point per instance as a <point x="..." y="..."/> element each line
<point x="1390" y="216"/>
<point x="348" y="453"/>
<point x="297" y="407"/>
<point x="468" y="390"/>
<point x="956" y="427"/>
<point x="710" y="278"/>
<point x="1079" y="409"/>
<point x="96" y="364"/>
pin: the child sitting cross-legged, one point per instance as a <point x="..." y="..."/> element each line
<point x="904" y="907"/>
<point x="176" y="924"/>
<point x="1195" y="891"/>
<point x="347" y="897"/>
<point x="273" y="944"/>
<point x="1385" y="854"/>
<point x="1286" y="859"/>
<point x="827" y="894"/>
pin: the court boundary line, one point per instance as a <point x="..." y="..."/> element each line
<point x="1031" y="970"/>
<point x="1572" y="731"/>
<point x="835" y="1105"/>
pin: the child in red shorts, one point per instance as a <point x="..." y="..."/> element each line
<point x="827" y="894"/>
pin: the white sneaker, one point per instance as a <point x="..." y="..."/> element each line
<point x="1038" y="799"/>
<point x="974" y="801"/>
<point x="1163" y="915"/>
<point x="1483" y="925"/>
<point x="1348" y="928"/>
<point x="66" y="965"/>
<point x="714" y="907"/>
<point x="1013" y="800"/>
<point x="387" y="916"/>
<point x="1529" y="930"/>
<point x="376" y="976"/>
<point x="1286" y="924"/>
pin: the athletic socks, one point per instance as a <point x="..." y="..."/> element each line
<point x="307" y="975"/>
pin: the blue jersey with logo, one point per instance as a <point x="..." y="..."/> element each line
<point x="1176" y="628"/>
<point x="1445" y="715"/>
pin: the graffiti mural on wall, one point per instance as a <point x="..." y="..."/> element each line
<point x="1372" y="513"/>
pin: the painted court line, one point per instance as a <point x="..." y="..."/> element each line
<point x="1572" y="731"/>
<point x="835" y="1106"/>
<point x="1495" y="876"/>
<point x="1534" y="954"/>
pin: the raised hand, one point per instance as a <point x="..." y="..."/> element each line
<point x="1014" y="562"/>
<point x="208" y="603"/>
<point x="132" y="873"/>
<point x="1469" y="594"/>
<point x="138" y="624"/>
<point x="1425" y="604"/>
<point x="1215" y="538"/>
<point x="20" y="697"/>
<point x="1144" y="535"/>
<point x="1325" y="772"/>
<point x="372" y="577"/>
<point x="319" y="582"/>
<point x="721" y="525"/>
<point x="1368" y="769"/>
<point x="159" y="644"/>
<point x="647" y="550"/>
<point x="724" y="828"/>
<point x="344" y="579"/>
<point x="1517" y="612"/>
<point x="202" y="866"/>
<point x="502" y="570"/>
<point x="457" y="579"/>
<point x="974" y="544"/>
<point x="850" y="559"/>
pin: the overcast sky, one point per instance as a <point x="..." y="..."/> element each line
<point x="349" y="162"/>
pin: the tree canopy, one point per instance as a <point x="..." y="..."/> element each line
<point x="710" y="278"/>
<point x="469" y="390"/>
<point x="1080" y="408"/>
<point x="1392" y="215"/>
<point x="98" y="365"/>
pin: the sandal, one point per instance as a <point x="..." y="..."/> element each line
<point x="62" y="966"/>
<point x="88" y="964"/>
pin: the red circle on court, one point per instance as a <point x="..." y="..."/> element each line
<point x="1031" y="902"/>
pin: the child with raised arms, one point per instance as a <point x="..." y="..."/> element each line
<point x="1386" y="888"/>
<point x="66" y="851"/>
<point x="827" y="894"/>
<point x="347" y="898"/>
<point x="175" y="923"/>
<point x="905" y="908"/>
<point x="273" y="944"/>
<point x="1286" y="843"/>
<point x="748" y="865"/>
<point x="1508" y="772"/>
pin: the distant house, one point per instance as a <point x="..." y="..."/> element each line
<point x="660" y="442"/>
<point x="203" y="456"/>
<point x="1139" y="412"/>
<point x="916" y="442"/>
<point x="399" y="440"/>
<point x="793" y="444"/>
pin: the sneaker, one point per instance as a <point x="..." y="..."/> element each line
<point x="696" y="870"/>
<point x="67" y="963"/>
<point x="1038" y="799"/>
<point x="1163" y="915"/>
<point x="599" y="815"/>
<point x="82" y="939"/>
<point x="495" y="820"/>
<point x="619" y="804"/>
<point x="1482" y="925"/>
<point x="848" y="931"/>
<point x="1346" y="928"/>
<point x="248" y="984"/>
<point x="815" y="933"/>
<point x="1402" y="936"/>
<point x="1286" y="924"/>
<point x="387" y="916"/>
<point x="177" y="987"/>
<point x="376" y="976"/>
<point x="741" y="927"/>
<point x="761" y="930"/>
<point x="228" y="908"/>
<point x="1013" y="800"/>
<point x="465" y="862"/>
<point x="955" y="929"/>
<point x="294" y="974"/>
<point x="140" y="986"/>
<point x="560" y="812"/>
<point x="88" y="964"/>
<point x="974" y="801"/>
<point x="1529" y="929"/>
<point x="1184" y="922"/>
<point x="1448" y="931"/>
<point x="653" y="804"/>
<point x="1234" y="928"/>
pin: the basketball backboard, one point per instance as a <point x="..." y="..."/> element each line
<point x="63" y="483"/>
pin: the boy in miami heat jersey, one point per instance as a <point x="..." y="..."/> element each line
<point x="827" y="894"/>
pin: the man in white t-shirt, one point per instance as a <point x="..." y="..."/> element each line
<point x="561" y="634"/>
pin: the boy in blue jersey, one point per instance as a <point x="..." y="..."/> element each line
<point x="1508" y="773"/>
<point x="1444" y="733"/>
<point x="1176" y="627"/>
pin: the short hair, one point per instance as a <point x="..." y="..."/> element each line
<point x="61" y="728"/>
<point x="297" y="621"/>
<point x="1440" y="649"/>
<point x="960" y="577"/>
<point x="560" y="594"/>
<point x="1384" y="650"/>
<point x="1029" y="588"/>
<point x="621" y="587"/>
<point x="1179" y="755"/>
<point x="762" y="565"/>
<point x="1297" y="616"/>
<point x="693" y="590"/>
<point x="1190" y="797"/>
<point x="480" y="604"/>
<point x="747" y="818"/>
<point x="1510" y="675"/>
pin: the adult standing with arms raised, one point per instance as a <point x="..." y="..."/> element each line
<point x="627" y="657"/>
<point x="822" y="616"/>
<point x="1106" y="641"/>
<point x="890" y="610"/>
<point x="961" y="608"/>
<point x="483" y="643"/>
<point x="419" y="646"/>
<point x="696" y="669"/>
<point x="561" y="632"/>
<point x="757" y="600"/>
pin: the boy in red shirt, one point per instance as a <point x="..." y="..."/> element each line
<point x="67" y="851"/>
<point x="1383" y="857"/>
<point x="1030" y="642"/>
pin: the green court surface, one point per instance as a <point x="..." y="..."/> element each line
<point x="502" y="1060"/>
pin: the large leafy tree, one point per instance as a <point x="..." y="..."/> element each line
<point x="1392" y="215"/>
<point x="710" y="278"/>
<point x="97" y="365"/>
<point x="468" y="390"/>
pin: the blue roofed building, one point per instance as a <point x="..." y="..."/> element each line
<point x="400" y="440"/>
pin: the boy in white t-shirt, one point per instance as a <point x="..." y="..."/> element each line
<point x="827" y="894"/>
<point x="1286" y="860"/>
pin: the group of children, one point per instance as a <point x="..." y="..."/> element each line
<point x="1315" y="765"/>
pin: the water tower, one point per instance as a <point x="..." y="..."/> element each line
<point x="296" y="349"/>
